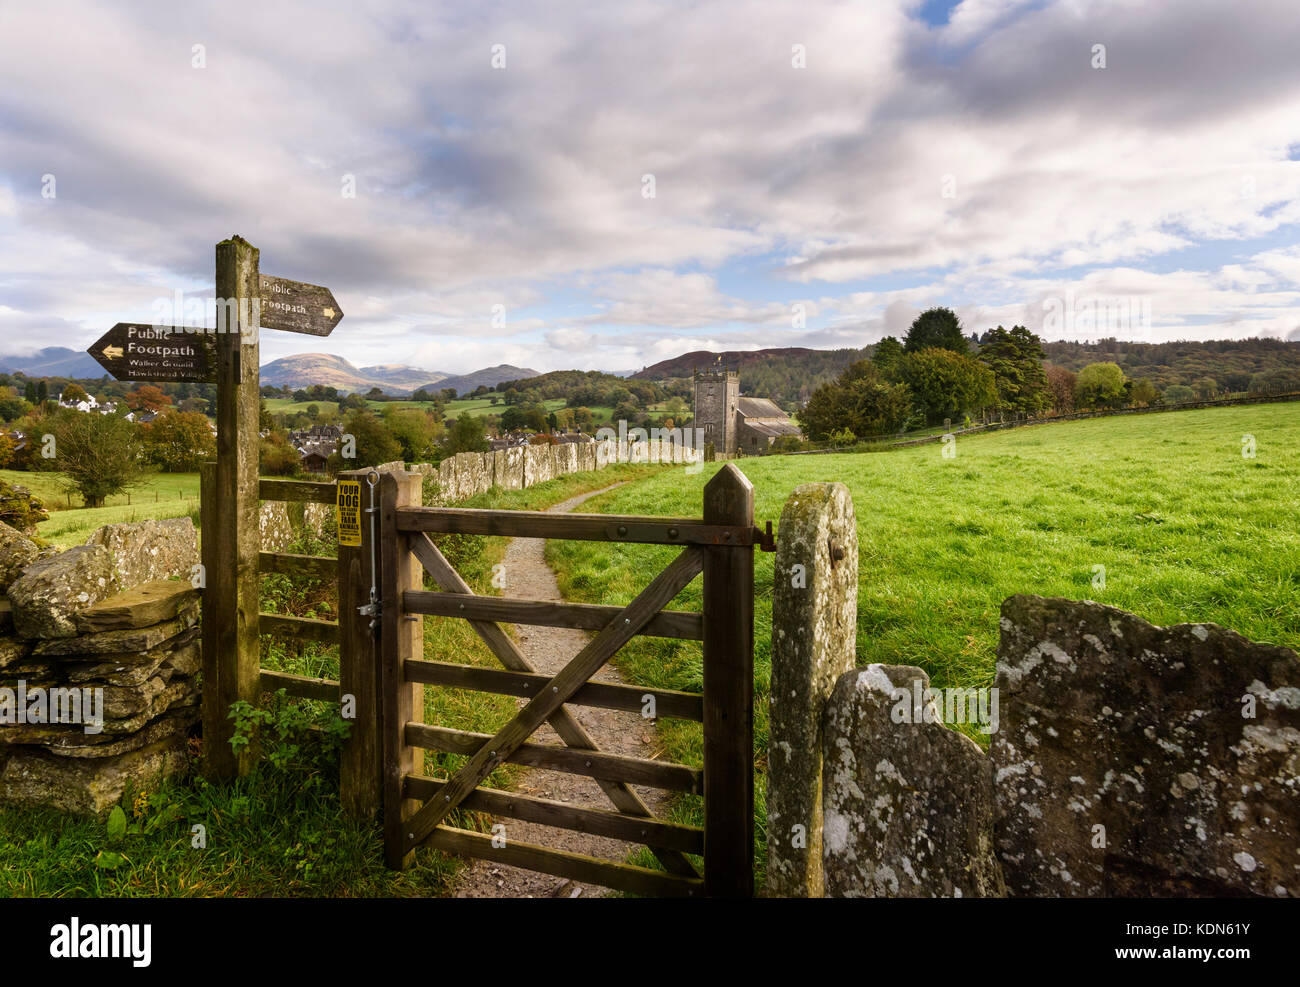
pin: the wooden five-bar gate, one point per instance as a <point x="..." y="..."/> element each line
<point x="719" y="546"/>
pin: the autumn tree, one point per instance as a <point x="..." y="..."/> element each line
<point x="276" y="457"/>
<point x="73" y="392"/>
<point x="179" y="441"/>
<point x="147" y="397"/>
<point x="1061" y="384"/>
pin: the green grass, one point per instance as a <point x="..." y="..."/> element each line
<point x="1187" y="529"/>
<point x="161" y="495"/>
<point x="279" y="832"/>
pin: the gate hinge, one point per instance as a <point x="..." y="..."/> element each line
<point x="765" y="539"/>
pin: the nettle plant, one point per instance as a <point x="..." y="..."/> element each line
<point x="288" y="735"/>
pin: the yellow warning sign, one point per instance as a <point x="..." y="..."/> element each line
<point x="349" y="509"/>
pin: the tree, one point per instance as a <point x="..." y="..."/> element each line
<point x="1179" y="394"/>
<point x="888" y="358"/>
<point x="73" y="392"/>
<point x="12" y="408"/>
<point x="421" y="395"/>
<point x="1206" y="388"/>
<point x="936" y="328"/>
<point x="374" y="444"/>
<point x="946" y="384"/>
<point x="512" y="419"/>
<point x="30" y="394"/>
<point x="42" y="391"/>
<point x="1142" y="393"/>
<point x="467" y="435"/>
<point x="147" y="397"/>
<point x="276" y="457"/>
<point x="1100" y="385"/>
<point x="1061" y="384"/>
<point x="1275" y="381"/>
<point x="179" y="441"/>
<point x="98" y="455"/>
<point x="1016" y="359"/>
<point x="535" y="417"/>
<point x="414" y="430"/>
<point x="859" y="401"/>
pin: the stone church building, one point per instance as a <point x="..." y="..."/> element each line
<point x="735" y="424"/>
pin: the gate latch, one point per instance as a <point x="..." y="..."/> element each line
<point x="373" y="609"/>
<point x="765" y="539"/>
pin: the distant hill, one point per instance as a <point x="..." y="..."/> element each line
<point x="401" y="376"/>
<point x="488" y="376"/>
<point x="787" y="375"/>
<point x="328" y="370"/>
<point x="1230" y="363"/>
<point x="54" y="361"/>
<point x="305" y="369"/>
<point x="790" y="374"/>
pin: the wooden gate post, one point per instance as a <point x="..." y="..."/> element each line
<point x="361" y="787"/>
<point x="230" y="512"/>
<point x="729" y="693"/>
<point x="402" y="638"/>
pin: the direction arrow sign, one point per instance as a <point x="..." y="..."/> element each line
<point x="139" y="351"/>
<point x="294" y="306"/>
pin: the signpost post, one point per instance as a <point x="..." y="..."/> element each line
<point x="231" y="532"/>
<point x="247" y="301"/>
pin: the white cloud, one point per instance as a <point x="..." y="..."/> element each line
<point x="522" y="186"/>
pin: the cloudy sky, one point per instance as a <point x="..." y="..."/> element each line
<point x="619" y="182"/>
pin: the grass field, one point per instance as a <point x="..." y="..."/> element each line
<point x="1185" y="526"/>
<point x="161" y="495"/>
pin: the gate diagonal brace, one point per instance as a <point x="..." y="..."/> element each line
<point x="570" y="731"/>
<point x="560" y="689"/>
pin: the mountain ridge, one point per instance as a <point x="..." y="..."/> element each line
<point x="329" y="370"/>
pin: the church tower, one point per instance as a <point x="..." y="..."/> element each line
<point x="717" y="395"/>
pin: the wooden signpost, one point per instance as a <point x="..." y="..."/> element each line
<point x="138" y="351"/>
<point x="226" y="355"/>
<point x="294" y="306"/>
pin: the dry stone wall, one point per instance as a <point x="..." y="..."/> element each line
<point x="1136" y="760"/>
<point x="1125" y="759"/>
<point x="98" y="671"/>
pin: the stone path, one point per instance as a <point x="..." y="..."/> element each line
<point x="549" y="649"/>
